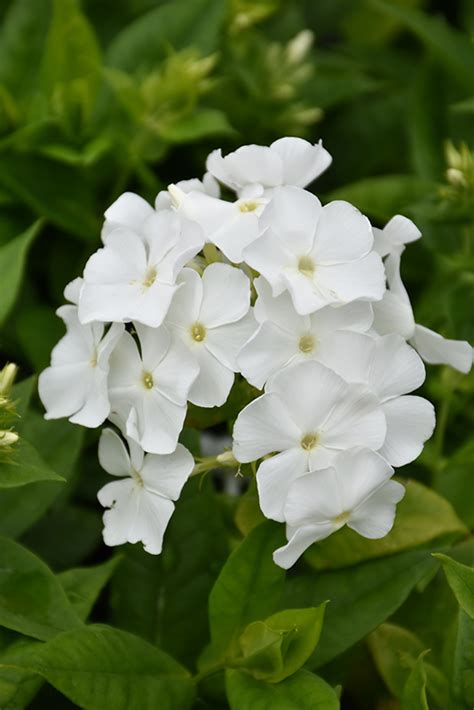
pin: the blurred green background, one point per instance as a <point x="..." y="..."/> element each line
<point x="102" y="96"/>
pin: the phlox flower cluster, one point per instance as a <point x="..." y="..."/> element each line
<point x="303" y="300"/>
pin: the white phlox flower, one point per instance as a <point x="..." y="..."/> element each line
<point x="284" y="338"/>
<point x="307" y="415"/>
<point x="208" y="186"/>
<point x="356" y="491"/>
<point x="321" y="255"/>
<point x="211" y="317"/>
<point x="288" y="161"/>
<point x="140" y="502"/>
<point x="394" y="313"/>
<point x="133" y="277"/>
<point x="75" y="385"/>
<point x="390" y="369"/>
<point x="149" y="387"/>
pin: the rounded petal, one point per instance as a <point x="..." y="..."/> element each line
<point x="96" y="405"/>
<point x="410" y="422"/>
<point x="267" y="351"/>
<point x="357" y="316"/>
<point x="286" y="556"/>
<point x="63" y="389"/>
<point x="393" y="315"/>
<point x="357" y="419"/>
<point x="270" y="257"/>
<point x="175" y="374"/>
<point x="186" y="303"/>
<point x="274" y="478"/>
<point x="396" y="368"/>
<point x="226" y="341"/>
<point x="293" y="215"/>
<point x="128" y="210"/>
<point x="349" y="354"/>
<point x="306" y="295"/>
<point x="437" y="350"/>
<point x="125" y="364"/>
<point x="302" y="161"/>
<point x="156" y="423"/>
<point x="360" y="472"/>
<point x="279" y="309"/>
<point x="226" y="295"/>
<point x="375" y="517"/>
<point x="401" y="230"/>
<point x="153" y="516"/>
<point x="154" y="344"/>
<point x="122" y="499"/>
<point x="342" y="234"/>
<point x="214" y="381"/>
<point x="264" y="426"/>
<point x="363" y="279"/>
<point x="72" y="290"/>
<point x="313" y="499"/>
<point x="113" y="456"/>
<point x="166" y="475"/>
<point x="250" y="164"/>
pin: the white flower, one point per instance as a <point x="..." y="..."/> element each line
<point x="397" y="232"/>
<point x="134" y="276"/>
<point x="231" y="226"/>
<point x="75" y="385"/>
<point x="128" y="211"/>
<point x="288" y="161"/>
<point x="284" y="337"/>
<point x="308" y="414"/>
<point x="390" y="369"/>
<point x="394" y="314"/>
<point x="211" y="317"/>
<point x="356" y="492"/>
<point x="208" y="185"/>
<point x="148" y="389"/>
<point x="321" y="255"/>
<point x="141" y="502"/>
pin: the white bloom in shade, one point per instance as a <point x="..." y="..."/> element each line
<point x="390" y="369"/>
<point x="75" y="385"/>
<point x="140" y="502"/>
<point x="437" y="350"/>
<point x="308" y="415"/>
<point x="134" y="276"/>
<point x="356" y="492"/>
<point x="148" y="389"/>
<point x="284" y="338"/>
<point x="288" y="161"/>
<point x="208" y="185"/>
<point x="396" y="233"/>
<point x="128" y="211"/>
<point x="321" y="255"/>
<point x="211" y="317"/>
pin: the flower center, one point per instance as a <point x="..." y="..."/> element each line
<point x="342" y="518"/>
<point x="306" y="344"/>
<point x="309" y="441"/>
<point x="248" y="206"/>
<point x="93" y="360"/>
<point x="137" y="478"/>
<point x="198" y="332"/>
<point x="306" y="266"/>
<point x="147" y="379"/>
<point x="150" y="277"/>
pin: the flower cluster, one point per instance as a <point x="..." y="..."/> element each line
<point x="304" y="300"/>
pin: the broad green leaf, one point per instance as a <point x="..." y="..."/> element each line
<point x="422" y="516"/>
<point x="32" y="601"/>
<point x="12" y="264"/>
<point x="102" y="668"/>
<point x="276" y="648"/>
<point x="25" y="466"/>
<point x="22" y="393"/>
<point x="414" y="693"/>
<point x="461" y="580"/>
<point x="455" y="480"/>
<point x="156" y="597"/>
<point x="382" y="197"/>
<point x="84" y="584"/>
<point x="462" y="680"/>
<point x="360" y="597"/>
<point x="248" y="588"/>
<point x="247" y="513"/>
<point x="53" y="190"/>
<point x="302" y="691"/>
<point x="201" y="124"/>
<point x="453" y="48"/>
<point x="38" y="329"/>
<point x="176" y="24"/>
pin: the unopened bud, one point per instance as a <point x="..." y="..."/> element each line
<point x="7" y="376"/>
<point x="299" y="46"/>
<point x="227" y="458"/>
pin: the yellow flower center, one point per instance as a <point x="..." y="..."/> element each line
<point x="309" y="441"/>
<point x="307" y="343"/>
<point x="150" y="277"/>
<point x="342" y="518"/>
<point x="306" y="266"/>
<point x="147" y="380"/>
<point x="248" y="206"/>
<point x="137" y="478"/>
<point x="198" y="332"/>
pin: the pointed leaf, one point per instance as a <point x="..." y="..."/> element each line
<point x="12" y="263"/>
<point x="302" y="691"/>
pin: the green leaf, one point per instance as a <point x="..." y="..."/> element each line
<point x="382" y="197"/>
<point x="32" y="601"/>
<point x="84" y="584"/>
<point x="422" y="516"/>
<point x="455" y="479"/>
<point x="462" y="681"/>
<point x="248" y="588"/>
<point x="414" y="694"/>
<point x="57" y="192"/>
<point x="276" y="648"/>
<point x="179" y="24"/>
<point x="22" y="393"/>
<point x="101" y="668"/>
<point x="461" y="580"/>
<point x="12" y="264"/>
<point x="361" y="597"/>
<point x="25" y="466"/>
<point x="302" y="691"/>
<point x="452" y="47"/>
<point x="201" y="124"/>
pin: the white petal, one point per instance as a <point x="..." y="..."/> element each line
<point x="120" y="261"/>
<point x="270" y="349"/>
<point x="166" y="475"/>
<point x="393" y="315"/>
<point x="274" y="478"/>
<point x="293" y="215"/>
<point x="401" y="230"/>
<point x="250" y="164"/>
<point x="354" y="280"/>
<point x="396" y="368"/>
<point x="306" y="295"/>
<point x="226" y="295"/>
<point x="96" y="405"/>
<point x="349" y="354"/>
<point x="270" y="257"/>
<point x="262" y="427"/>
<point x="154" y="344"/>
<point x="156" y="424"/>
<point x="302" y="539"/>
<point x="313" y="499"/>
<point x="186" y="303"/>
<point x="410" y="422"/>
<point x="122" y="499"/>
<point x="375" y="517"/>
<point x="342" y="234"/>
<point x="152" y="520"/>
<point x="302" y="162"/>
<point x="226" y="341"/>
<point x="176" y="372"/>
<point x="357" y="419"/>
<point x="63" y="389"/>
<point x="73" y="289"/>
<point x="128" y="210"/>
<point x="357" y="316"/>
<point x="161" y="232"/>
<point x="214" y="381"/>
<point x="190" y="242"/>
<point x="437" y="350"/>
<point x="279" y="309"/>
<point x="113" y="456"/>
<point x="126" y="366"/>
<point x="360" y="472"/>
